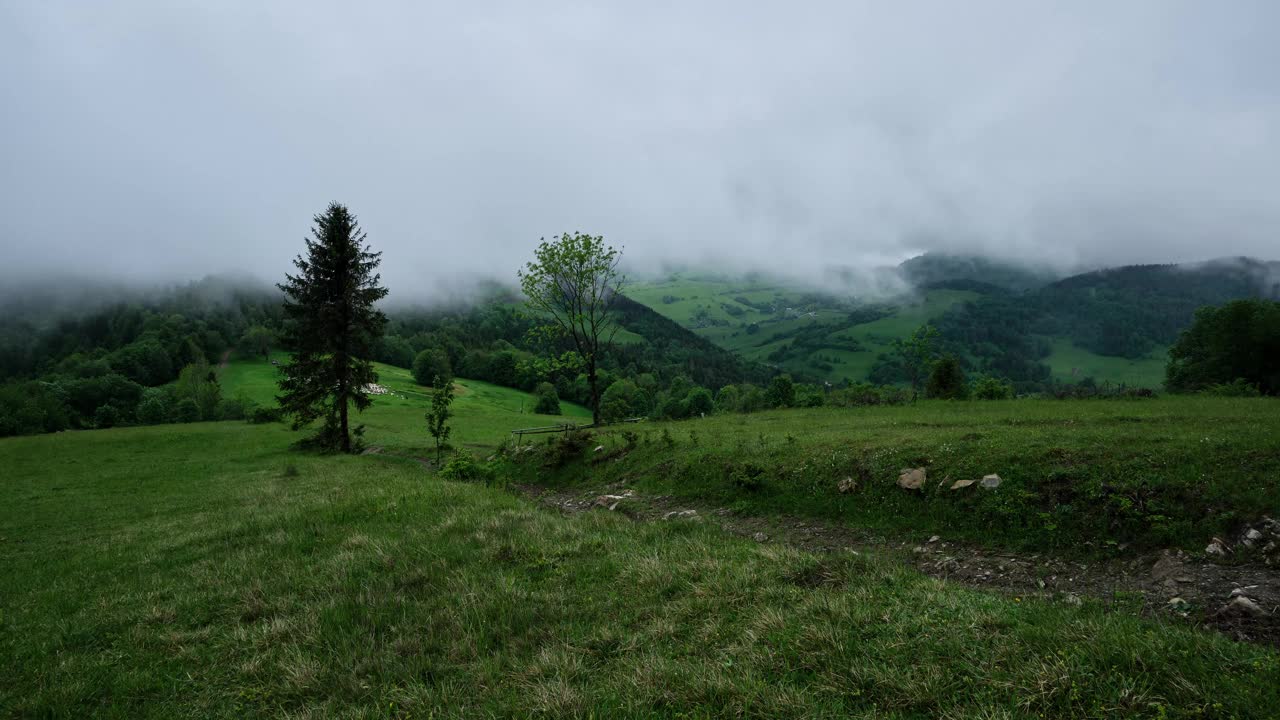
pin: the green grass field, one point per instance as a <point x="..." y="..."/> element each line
<point x="1070" y="363"/>
<point x="487" y="413"/>
<point x="206" y="570"/>
<point x="1080" y="477"/>
<point x="699" y="302"/>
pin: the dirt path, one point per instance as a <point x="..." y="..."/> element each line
<point x="226" y="358"/>
<point x="1168" y="584"/>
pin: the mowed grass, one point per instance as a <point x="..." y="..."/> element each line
<point x="1077" y="476"/>
<point x="206" y="570"/>
<point x="485" y="413"/>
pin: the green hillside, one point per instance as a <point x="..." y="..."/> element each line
<point x="206" y="570"/>
<point x="1030" y="326"/>
<point x="487" y="412"/>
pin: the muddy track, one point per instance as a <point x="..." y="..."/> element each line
<point x="1167" y="584"/>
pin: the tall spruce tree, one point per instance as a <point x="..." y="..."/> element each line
<point x="332" y="327"/>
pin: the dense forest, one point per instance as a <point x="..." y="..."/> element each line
<point x="1122" y="312"/>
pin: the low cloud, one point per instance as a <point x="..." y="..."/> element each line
<point x="153" y="142"/>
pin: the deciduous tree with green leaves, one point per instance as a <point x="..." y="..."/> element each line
<point x="258" y="340"/>
<point x="918" y="353"/>
<point x="1236" y="341"/>
<point x="573" y="282"/>
<point x="332" y="325"/>
<point x="439" y="414"/>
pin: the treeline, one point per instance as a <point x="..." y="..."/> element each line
<point x="147" y="360"/>
<point x="154" y="358"/>
<point x="495" y="341"/>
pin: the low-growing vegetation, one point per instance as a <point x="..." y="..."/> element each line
<point x="160" y="576"/>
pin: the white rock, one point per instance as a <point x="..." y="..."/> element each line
<point x="990" y="482"/>
<point x="760" y="537"/>
<point x="1241" y="605"/>
<point x="935" y="538"/>
<point x="1216" y="547"/>
<point x="599" y="448"/>
<point x="1178" y="604"/>
<point x="962" y="484"/>
<point x="911" y="478"/>
<point x="847" y="485"/>
<point x="675" y="514"/>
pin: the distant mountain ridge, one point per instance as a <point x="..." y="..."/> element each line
<point x="1034" y="325"/>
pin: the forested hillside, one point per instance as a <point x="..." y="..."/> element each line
<point x="152" y="357"/>
<point x="1025" y="325"/>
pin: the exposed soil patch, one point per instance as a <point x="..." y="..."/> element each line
<point x="1169" y="584"/>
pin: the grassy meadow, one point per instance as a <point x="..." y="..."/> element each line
<point x="1080" y="477"/>
<point x="396" y="423"/>
<point x="207" y="570"/>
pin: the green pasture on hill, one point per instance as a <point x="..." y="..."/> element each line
<point x="207" y="570"/>
<point x="487" y="413"/>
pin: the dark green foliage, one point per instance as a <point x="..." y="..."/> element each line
<point x="332" y="327"/>
<point x="623" y="399"/>
<point x="199" y="383"/>
<point x="1239" y="341"/>
<point x="33" y="407"/>
<point x="463" y="466"/>
<point x="258" y="340"/>
<point x="943" y="270"/>
<point x="752" y="399"/>
<point x="439" y="413"/>
<point x="781" y="393"/>
<point x="261" y="415"/>
<point x="1124" y="312"/>
<point x="567" y="447"/>
<point x="698" y="402"/>
<point x="186" y="410"/>
<point x="107" y="416"/>
<point x="430" y="364"/>
<point x="989" y="388"/>
<point x="946" y="380"/>
<point x="145" y="362"/>
<point x="1236" y="388"/>
<point x="866" y="394"/>
<point x="156" y="406"/>
<point x="395" y="350"/>
<point x="548" y="400"/>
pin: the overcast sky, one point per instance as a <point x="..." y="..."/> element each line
<point x="167" y="140"/>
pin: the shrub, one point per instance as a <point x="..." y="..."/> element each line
<point x="946" y="380"/>
<point x="699" y="402"/>
<point x="155" y="407"/>
<point x="429" y="364"/>
<point x="1236" y="388"/>
<point x="745" y="476"/>
<point x="781" y="393"/>
<point x="106" y="416"/>
<point x="186" y="411"/>
<point x="236" y="408"/>
<point x="462" y="465"/>
<point x="261" y="415"/>
<point x="623" y="399"/>
<point x="989" y="388"/>
<point x="567" y="446"/>
<point x="548" y="400"/>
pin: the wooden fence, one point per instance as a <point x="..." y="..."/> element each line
<point x="565" y="427"/>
